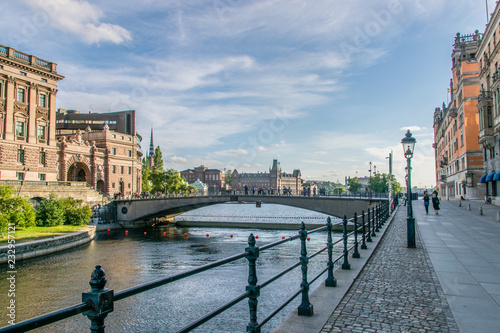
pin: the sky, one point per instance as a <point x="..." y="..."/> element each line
<point x="324" y="86"/>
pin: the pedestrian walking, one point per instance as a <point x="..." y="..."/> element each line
<point x="435" y="201"/>
<point x="426" y="202"/>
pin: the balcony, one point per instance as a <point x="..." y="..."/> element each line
<point x="485" y="96"/>
<point x="453" y="112"/>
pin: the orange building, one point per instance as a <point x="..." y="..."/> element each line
<point x="458" y="156"/>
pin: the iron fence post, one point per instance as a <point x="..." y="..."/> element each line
<point x="377" y="215"/>
<point x="369" y="238"/>
<point x="355" y="254"/>
<point x="306" y="308"/>
<point x="345" y="264"/>
<point x="374" y="221"/>
<point x="331" y="281"/>
<point x="363" y="229"/>
<point x="99" y="299"/>
<point x="252" y="255"/>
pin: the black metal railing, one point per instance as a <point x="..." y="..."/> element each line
<point x="99" y="301"/>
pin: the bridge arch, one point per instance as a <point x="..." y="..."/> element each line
<point x="130" y="212"/>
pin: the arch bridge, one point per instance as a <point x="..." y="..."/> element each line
<point x="141" y="212"/>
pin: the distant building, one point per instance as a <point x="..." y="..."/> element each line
<point x="274" y="179"/>
<point x="458" y="156"/>
<point x="69" y="121"/>
<point x="213" y="179"/>
<point x="488" y="105"/>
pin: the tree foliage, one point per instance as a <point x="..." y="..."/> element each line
<point x="75" y="212"/>
<point x="229" y="180"/>
<point x="354" y="185"/>
<point x="50" y="212"/>
<point x="396" y="187"/>
<point x="338" y="190"/>
<point x="379" y="183"/>
<point x="16" y="210"/>
<point x="145" y="176"/>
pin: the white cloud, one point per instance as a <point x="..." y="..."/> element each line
<point x="176" y="159"/>
<point x="232" y="152"/>
<point x="412" y="128"/>
<point x="80" y="18"/>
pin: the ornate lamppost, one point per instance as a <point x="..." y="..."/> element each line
<point x="408" y="143"/>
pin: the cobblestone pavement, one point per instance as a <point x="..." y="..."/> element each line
<point x="397" y="291"/>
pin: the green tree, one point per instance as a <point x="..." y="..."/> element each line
<point x="145" y="176"/>
<point x="228" y="177"/>
<point x="338" y="190"/>
<point x="354" y="185"/>
<point x="379" y="183"/>
<point x="157" y="175"/>
<point x="14" y="209"/>
<point x="75" y="212"/>
<point x="50" y="212"/>
<point x="396" y="187"/>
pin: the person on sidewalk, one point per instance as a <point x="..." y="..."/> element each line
<point x="426" y="202"/>
<point x="435" y="201"/>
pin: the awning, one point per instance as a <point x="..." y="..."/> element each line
<point x="497" y="176"/>
<point x="483" y="179"/>
<point x="490" y="176"/>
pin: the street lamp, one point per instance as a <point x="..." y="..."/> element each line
<point x="408" y="143"/>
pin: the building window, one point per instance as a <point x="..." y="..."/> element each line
<point x="42" y="177"/>
<point x="19" y="128"/>
<point x="129" y="170"/>
<point x="44" y="80"/>
<point x="20" y="95"/>
<point x="129" y="153"/>
<point x="121" y="169"/>
<point x="22" y="73"/>
<point x="113" y="169"/>
<point x="42" y="100"/>
<point x="20" y="176"/>
<point x="128" y="185"/>
<point x="41" y="158"/>
<point x="113" y="185"/>
<point x="41" y="132"/>
<point x="20" y="156"/>
<point x="113" y="151"/>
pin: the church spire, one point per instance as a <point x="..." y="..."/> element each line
<point x="151" y="145"/>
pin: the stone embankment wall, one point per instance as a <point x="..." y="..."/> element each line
<point x="50" y="245"/>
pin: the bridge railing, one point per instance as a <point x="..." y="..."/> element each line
<point x="99" y="301"/>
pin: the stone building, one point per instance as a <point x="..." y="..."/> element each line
<point x="458" y="156"/>
<point x="28" y="145"/>
<point x="38" y="144"/>
<point x="214" y="179"/>
<point x="275" y="179"/>
<point x="488" y="105"/>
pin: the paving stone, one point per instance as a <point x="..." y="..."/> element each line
<point x="397" y="291"/>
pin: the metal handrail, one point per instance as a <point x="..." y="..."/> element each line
<point x="99" y="301"/>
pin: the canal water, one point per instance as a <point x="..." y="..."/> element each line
<point x="55" y="281"/>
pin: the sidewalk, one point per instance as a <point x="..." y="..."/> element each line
<point x="397" y="290"/>
<point x="449" y="283"/>
<point x="464" y="249"/>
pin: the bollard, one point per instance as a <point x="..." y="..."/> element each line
<point x="480" y="210"/>
<point x="331" y="281"/>
<point x="355" y="254"/>
<point x="345" y="264"/>
<point x="99" y="299"/>
<point x="460" y="203"/>
<point x="306" y="308"/>
<point x="369" y="238"/>
<point x="468" y="207"/>
<point x="498" y="216"/>
<point x="252" y="255"/>
<point x="363" y="238"/>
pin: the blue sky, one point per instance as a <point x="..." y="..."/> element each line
<point x="323" y="86"/>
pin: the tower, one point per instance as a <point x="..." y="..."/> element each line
<point x="151" y="155"/>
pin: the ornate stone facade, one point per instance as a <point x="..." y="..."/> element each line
<point x="31" y="151"/>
